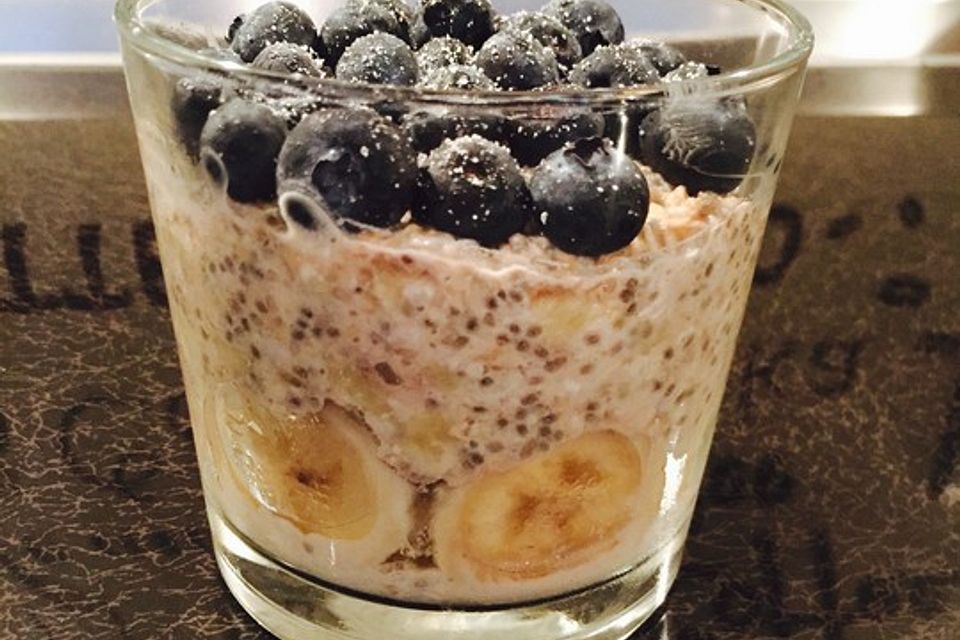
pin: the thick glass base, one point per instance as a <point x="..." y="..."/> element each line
<point x="292" y="606"/>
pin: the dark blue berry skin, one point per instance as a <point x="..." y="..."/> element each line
<point x="427" y="130"/>
<point x="269" y="23"/>
<point x="703" y="145"/>
<point x="550" y="32"/>
<point x="320" y="50"/>
<point x="392" y="110"/>
<point x="404" y="14"/>
<point x="662" y="56"/>
<point x="614" y="66"/>
<point x="286" y="57"/>
<point x="472" y="188"/>
<point x="439" y="53"/>
<point x="457" y="77"/>
<point x="356" y="19"/>
<point x="239" y="144"/>
<point x="593" y="22"/>
<point x="193" y="100"/>
<point x="378" y="58"/>
<point x="516" y="61"/>
<point x="591" y="198"/>
<point x="293" y="109"/>
<point x="355" y="163"/>
<point x="471" y="21"/>
<point x="533" y="139"/>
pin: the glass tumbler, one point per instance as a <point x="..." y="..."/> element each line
<point x="454" y="358"/>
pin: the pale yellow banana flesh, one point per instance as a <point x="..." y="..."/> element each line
<point x="552" y="512"/>
<point x="307" y="470"/>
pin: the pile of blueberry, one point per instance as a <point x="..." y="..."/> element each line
<point x="473" y="174"/>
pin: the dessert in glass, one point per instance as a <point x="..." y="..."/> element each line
<point x="455" y="289"/>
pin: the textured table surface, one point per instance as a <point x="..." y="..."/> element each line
<point x="831" y="507"/>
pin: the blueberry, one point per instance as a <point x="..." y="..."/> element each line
<point x="439" y="53"/>
<point x="472" y="21"/>
<point x="378" y="58"/>
<point x="404" y="14"/>
<point x="591" y="198"/>
<point x="533" y="139"/>
<point x="703" y="145"/>
<point x="269" y="23"/>
<point x="392" y="110"/>
<point x="193" y="100"/>
<point x="515" y="60"/>
<point x="593" y="22"/>
<point x="239" y="145"/>
<point x="428" y="129"/>
<point x="286" y="57"/>
<point x="320" y="50"/>
<point x="458" y="77"/>
<point x="663" y="57"/>
<point x="354" y="20"/>
<point x="472" y="188"/>
<point x="614" y="66"/>
<point x="550" y="32"/>
<point x="293" y="109"/>
<point x="354" y="162"/>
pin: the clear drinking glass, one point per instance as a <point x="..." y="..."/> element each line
<point x="405" y="435"/>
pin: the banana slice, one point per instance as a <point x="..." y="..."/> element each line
<point x="315" y="477"/>
<point x="309" y="470"/>
<point x="551" y="513"/>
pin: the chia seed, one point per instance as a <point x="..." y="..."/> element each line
<point x="387" y="374"/>
<point x="555" y="364"/>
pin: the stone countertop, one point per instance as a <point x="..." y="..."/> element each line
<point x="831" y="505"/>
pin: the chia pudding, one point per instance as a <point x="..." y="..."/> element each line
<point x="477" y="362"/>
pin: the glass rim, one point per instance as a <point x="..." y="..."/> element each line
<point x="135" y="30"/>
